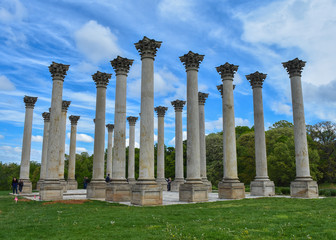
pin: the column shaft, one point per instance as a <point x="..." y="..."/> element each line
<point x="179" y="173"/>
<point x="131" y="152"/>
<point x="72" y="155"/>
<point x="109" y="152"/>
<point x="26" y="144"/>
<point x="160" y="149"/>
<point x="62" y="144"/>
<point x="202" y="142"/>
<point x="44" y="150"/>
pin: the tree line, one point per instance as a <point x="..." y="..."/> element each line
<point x="280" y="156"/>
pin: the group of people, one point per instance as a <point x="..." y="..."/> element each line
<point x="16" y="184"/>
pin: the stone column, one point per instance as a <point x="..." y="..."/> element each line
<point x="72" y="183"/>
<point x="26" y="144"/>
<point x="43" y="171"/>
<point x="261" y="186"/>
<point x="303" y="185"/>
<point x="146" y="191"/>
<point x="179" y="173"/>
<point x="65" y="106"/>
<point x="118" y="189"/>
<point x="160" y="175"/>
<point x="193" y="190"/>
<point x="130" y="175"/>
<point x="110" y="128"/>
<point x="51" y="189"/>
<point x="229" y="187"/>
<point x="201" y="101"/>
<point x="97" y="187"/>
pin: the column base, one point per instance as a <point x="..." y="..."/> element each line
<point x="208" y="184"/>
<point x="51" y="190"/>
<point x="118" y="191"/>
<point x="72" y="184"/>
<point x="38" y="184"/>
<point x="231" y="189"/>
<point x="163" y="183"/>
<point x="27" y="186"/>
<point x="304" y="188"/>
<point x="193" y="192"/>
<point x="262" y="187"/>
<point x="146" y="193"/>
<point x="131" y="181"/>
<point x="64" y="184"/>
<point x="96" y="189"/>
<point x="175" y="185"/>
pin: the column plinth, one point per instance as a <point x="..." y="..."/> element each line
<point x="43" y="171"/>
<point x="193" y="190"/>
<point x="130" y="174"/>
<point x="261" y="186"/>
<point x="110" y="128"/>
<point x="146" y="191"/>
<point x="303" y="186"/>
<point x="71" y="182"/>
<point x="97" y="187"/>
<point x="119" y="190"/>
<point x="51" y="188"/>
<point x="26" y="144"/>
<point x="230" y="187"/>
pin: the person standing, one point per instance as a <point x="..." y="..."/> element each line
<point x="20" y="185"/>
<point x="14" y="185"/>
<point x="169" y="181"/>
<point x="86" y="181"/>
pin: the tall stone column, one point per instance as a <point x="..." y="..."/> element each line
<point x="97" y="186"/>
<point x="146" y="191"/>
<point x="160" y="175"/>
<point x="193" y="190"/>
<point x="72" y="183"/>
<point x="118" y="189"/>
<point x="51" y="189"/>
<point x="131" y="145"/>
<point x="303" y="185"/>
<point x="261" y="186"/>
<point x="179" y="173"/>
<point x="43" y="171"/>
<point x="65" y="106"/>
<point x="110" y="128"/>
<point x="229" y="187"/>
<point x="201" y="101"/>
<point x="26" y="144"/>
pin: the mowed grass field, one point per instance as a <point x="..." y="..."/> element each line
<point x="264" y="218"/>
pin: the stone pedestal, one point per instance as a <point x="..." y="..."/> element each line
<point x="51" y="190"/>
<point x="304" y="189"/>
<point x="72" y="184"/>
<point x="231" y="190"/>
<point x="262" y="188"/>
<point x="146" y="194"/>
<point x="96" y="189"/>
<point x="207" y="183"/>
<point x="118" y="191"/>
<point x="175" y="185"/>
<point x="193" y="192"/>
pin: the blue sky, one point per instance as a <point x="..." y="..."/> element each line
<point x="256" y="35"/>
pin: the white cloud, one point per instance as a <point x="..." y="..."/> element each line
<point x="9" y="154"/>
<point x="136" y="144"/>
<point x="281" y="108"/>
<point x="37" y="138"/>
<point x="217" y="125"/>
<point x="79" y="150"/>
<point x="97" y="42"/>
<point x="2" y="136"/>
<point x="6" y="84"/>
<point x="176" y="9"/>
<point x="12" y="10"/>
<point x="242" y="122"/>
<point x="184" y="137"/>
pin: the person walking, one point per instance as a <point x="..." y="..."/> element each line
<point x="169" y="181"/>
<point x="14" y="185"/>
<point x="20" y="185"/>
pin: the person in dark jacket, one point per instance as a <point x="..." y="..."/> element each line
<point x="108" y="179"/>
<point x="15" y="185"/>
<point x="20" y="185"/>
<point x="169" y="181"/>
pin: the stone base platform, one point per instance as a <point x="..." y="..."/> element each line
<point x="64" y="184"/>
<point x="51" y="190"/>
<point x="146" y="193"/>
<point x="208" y="184"/>
<point x="264" y="188"/>
<point x="27" y="186"/>
<point x="38" y="184"/>
<point x="118" y="191"/>
<point x="228" y="189"/>
<point x="304" y="189"/>
<point x="193" y="192"/>
<point x="72" y="184"/>
<point x="162" y="182"/>
<point x="96" y="189"/>
<point x="131" y="181"/>
<point x="175" y="185"/>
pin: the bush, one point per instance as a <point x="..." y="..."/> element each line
<point x="282" y="190"/>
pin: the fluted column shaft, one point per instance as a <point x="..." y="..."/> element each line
<point x="65" y="105"/>
<point x="179" y="173"/>
<point x="110" y="128"/>
<point x="201" y="101"/>
<point x="43" y="170"/>
<point x="131" y="121"/>
<point x="160" y="147"/>
<point x="72" y="152"/>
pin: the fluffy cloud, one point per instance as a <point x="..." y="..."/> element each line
<point x="184" y="137"/>
<point x="37" y="138"/>
<point x="217" y="125"/>
<point x="81" y="137"/>
<point x="6" y="84"/>
<point x="176" y="9"/>
<point x="12" y="10"/>
<point x="79" y="150"/>
<point x="281" y="108"/>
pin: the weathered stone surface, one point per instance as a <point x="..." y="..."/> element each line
<point x="118" y="191"/>
<point x="146" y="194"/>
<point x="175" y="185"/>
<point x="262" y="188"/>
<point x="51" y="190"/>
<point x="43" y="171"/>
<point x="130" y="174"/>
<point x="304" y="189"/>
<point x="71" y="182"/>
<point x="190" y="192"/>
<point x="96" y="190"/>
<point x="231" y="190"/>
<point x="109" y="157"/>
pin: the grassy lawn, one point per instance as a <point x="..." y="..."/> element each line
<point x="266" y="218"/>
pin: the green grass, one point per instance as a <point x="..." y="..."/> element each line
<point x="265" y="218"/>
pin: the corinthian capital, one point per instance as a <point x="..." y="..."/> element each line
<point x="191" y="60"/>
<point x="58" y="70"/>
<point x="74" y="119"/>
<point x="202" y="97"/>
<point x="161" y="111"/>
<point x="178" y="105"/>
<point x="46" y="116"/>
<point x="256" y="79"/>
<point x="110" y="127"/>
<point x="147" y="47"/>
<point x="29" y="101"/>
<point x="220" y="89"/>
<point x="227" y="70"/>
<point x="132" y="120"/>
<point x="121" y="65"/>
<point x="101" y="79"/>
<point x="65" y="105"/>
<point x="294" y="67"/>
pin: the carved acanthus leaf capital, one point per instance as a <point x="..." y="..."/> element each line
<point x="161" y="111"/>
<point x="58" y="70"/>
<point x="46" y="116"/>
<point x="191" y="60"/>
<point x="202" y="97"/>
<point x="227" y="70"/>
<point x="65" y="105"/>
<point x="121" y="65"/>
<point x="101" y="79"/>
<point x="220" y="89"/>
<point x="178" y="105"/>
<point x="29" y="101"/>
<point x="294" y="67"/>
<point x="74" y="119"/>
<point x="147" y="47"/>
<point x="256" y="79"/>
<point x="132" y="120"/>
<point x="110" y="127"/>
